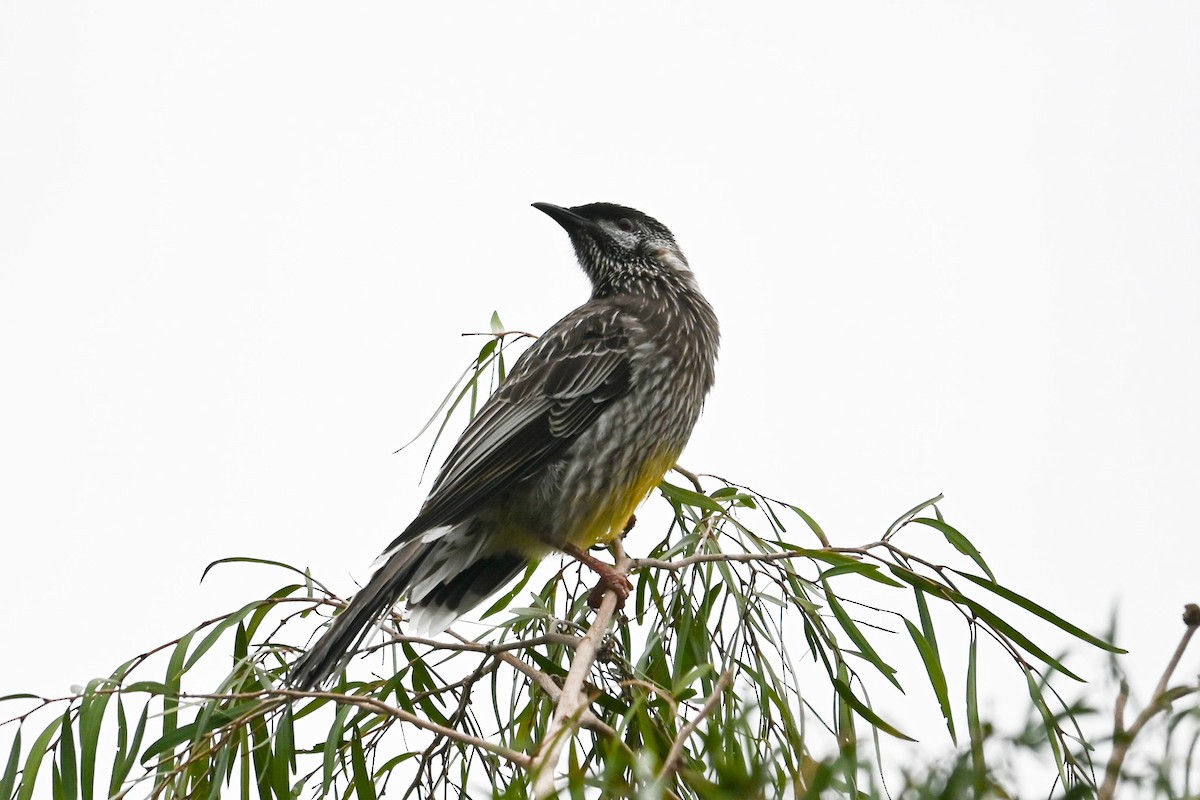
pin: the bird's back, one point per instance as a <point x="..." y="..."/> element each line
<point x="588" y="421"/>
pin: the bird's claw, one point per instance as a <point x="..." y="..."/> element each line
<point x="614" y="582"/>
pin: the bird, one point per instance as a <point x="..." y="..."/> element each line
<point x="587" y="422"/>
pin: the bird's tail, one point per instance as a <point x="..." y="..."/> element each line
<point x="443" y="577"/>
<point x="350" y="627"/>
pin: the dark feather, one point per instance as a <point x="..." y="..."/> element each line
<point x="553" y="393"/>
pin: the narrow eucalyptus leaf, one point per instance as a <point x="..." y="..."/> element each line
<point x="974" y="726"/>
<point x="866" y="712"/>
<point x="125" y="760"/>
<point x="856" y="635"/>
<point x="364" y="787"/>
<point x="266" y="561"/>
<point x="503" y="601"/>
<point x="1040" y="611"/>
<point x="859" y="568"/>
<point x="91" y="717"/>
<point x="1049" y="724"/>
<point x="9" y="779"/>
<point x="688" y="497"/>
<point x="68" y="765"/>
<point x="903" y="519"/>
<point x="812" y="525"/>
<point x="193" y="730"/>
<point x="1020" y="639"/>
<point x="937" y="676"/>
<point x="332" y="747"/>
<point x="33" y="760"/>
<point x="173" y="681"/>
<point x="958" y="541"/>
<point x="211" y="638"/>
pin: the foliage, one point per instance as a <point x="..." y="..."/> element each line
<point x="743" y="665"/>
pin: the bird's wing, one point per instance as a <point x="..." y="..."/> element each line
<point x="553" y="393"/>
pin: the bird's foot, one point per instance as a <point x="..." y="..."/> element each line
<point x="611" y="579"/>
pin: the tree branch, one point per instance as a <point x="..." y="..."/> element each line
<point x="572" y="702"/>
<point x="378" y="706"/>
<point x="1159" y="701"/>
<point x="685" y="733"/>
<point x="702" y="558"/>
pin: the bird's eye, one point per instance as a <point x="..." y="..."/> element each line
<point x="625" y="224"/>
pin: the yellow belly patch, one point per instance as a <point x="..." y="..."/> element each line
<point x="613" y="515"/>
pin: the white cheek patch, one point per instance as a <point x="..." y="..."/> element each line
<point x="675" y="261"/>
<point x="671" y="258"/>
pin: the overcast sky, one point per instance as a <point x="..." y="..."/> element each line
<point x="954" y="248"/>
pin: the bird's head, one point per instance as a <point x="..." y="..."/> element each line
<point x="619" y="247"/>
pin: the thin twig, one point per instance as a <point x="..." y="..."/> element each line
<point x="371" y="704"/>
<point x="691" y="476"/>
<point x="1159" y="701"/>
<point x="467" y="645"/>
<point x="501" y="334"/>
<point x="702" y="558"/>
<point x="687" y="730"/>
<point x="572" y="700"/>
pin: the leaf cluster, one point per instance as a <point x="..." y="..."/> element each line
<point x="746" y="663"/>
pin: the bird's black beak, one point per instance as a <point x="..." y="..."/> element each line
<point x="571" y="222"/>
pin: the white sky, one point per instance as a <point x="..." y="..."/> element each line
<point x="953" y="247"/>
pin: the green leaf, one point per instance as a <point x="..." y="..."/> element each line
<point x="9" y="779"/>
<point x="502" y="602"/>
<point x="174" y="677"/>
<point x="1048" y="723"/>
<point x="211" y="638"/>
<point x="682" y="496"/>
<point x="927" y="622"/>
<point x="1023" y="641"/>
<point x="481" y="360"/>
<point x="974" y="728"/>
<point x="575" y="773"/>
<point x="284" y="762"/>
<point x="999" y="625"/>
<point x="921" y="582"/>
<point x="194" y="730"/>
<point x="496" y="325"/>
<point x="904" y="518"/>
<point x="859" y="568"/>
<point x="149" y="687"/>
<point x="332" y="747"/>
<point x="364" y="787"/>
<point x="812" y="525"/>
<point x="91" y="717"/>
<point x="856" y="635"/>
<point x="268" y="562"/>
<point x="33" y="761"/>
<point x="1040" y="611"/>
<point x="960" y="542"/>
<point x="864" y="711"/>
<point x="266" y="606"/>
<point x="937" y="676"/>
<point x="219" y="773"/>
<point x="69" y="772"/>
<point x="253" y="740"/>
<point x="20" y="696"/>
<point x="452" y="399"/>
<point x="126" y="757"/>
